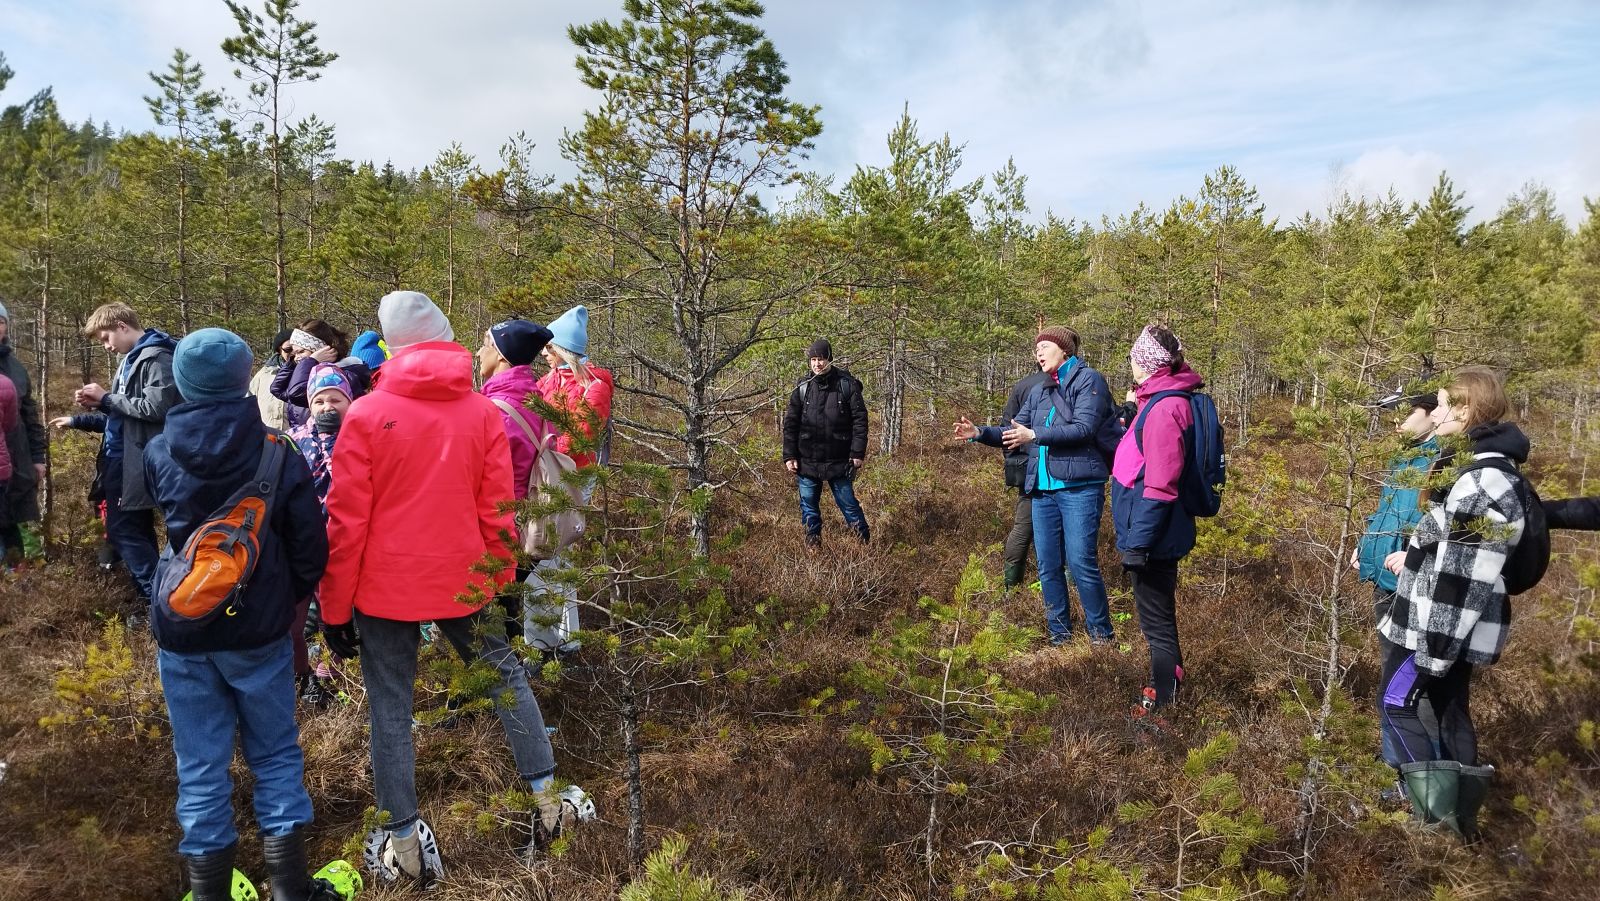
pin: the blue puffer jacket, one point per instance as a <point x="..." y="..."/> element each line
<point x="1400" y="508"/>
<point x="206" y="452"/>
<point x="1073" y="455"/>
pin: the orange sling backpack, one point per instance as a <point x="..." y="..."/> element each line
<point x="210" y="575"/>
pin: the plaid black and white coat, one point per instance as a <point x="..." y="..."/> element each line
<point x="1451" y="601"/>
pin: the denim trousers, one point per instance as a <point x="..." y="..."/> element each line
<point x="131" y="532"/>
<point x="844" y="494"/>
<point x="1066" y="534"/>
<point x="389" y="669"/>
<point x="213" y="698"/>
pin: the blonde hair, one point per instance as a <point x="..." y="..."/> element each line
<point x="1482" y="391"/>
<point x="573" y="360"/>
<point x="107" y="317"/>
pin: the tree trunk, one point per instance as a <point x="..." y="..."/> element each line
<point x="279" y="268"/>
<point x="629" y="711"/>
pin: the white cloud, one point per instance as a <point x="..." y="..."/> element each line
<point x="1103" y="103"/>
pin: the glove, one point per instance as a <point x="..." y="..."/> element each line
<point x="1135" y="559"/>
<point x="342" y="640"/>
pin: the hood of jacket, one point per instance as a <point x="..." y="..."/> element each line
<point x="1168" y="379"/>
<point x="433" y="370"/>
<point x="1500" y="438"/>
<point x="215" y="439"/>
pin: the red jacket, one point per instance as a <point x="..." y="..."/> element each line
<point x="560" y="386"/>
<point x="419" y="474"/>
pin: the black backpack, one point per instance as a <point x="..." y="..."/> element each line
<point x="1531" y="557"/>
<point x="846" y="388"/>
<point x="1205" y="461"/>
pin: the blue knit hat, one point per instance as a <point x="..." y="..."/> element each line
<point x="212" y="364"/>
<point x="572" y="330"/>
<point x="370" y="349"/>
<point x="519" y="340"/>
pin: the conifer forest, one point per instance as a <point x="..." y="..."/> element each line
<point x="754" y="716"/>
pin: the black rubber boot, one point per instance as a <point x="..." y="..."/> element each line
<point x="1472" y="789"/>
<point x="211" y="875"/>
<point x="286" y="866"/>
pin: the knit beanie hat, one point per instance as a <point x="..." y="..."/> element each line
<point x="1148" y="354"/>
<point x="4" y="313"/>
<point x="519" y="340"/>
<point x="409" y="317"/>
<point x="1060" y="336"/>
<point x="326" y="376"/>
<point x="820" y="349"/>
<point x="371" y="350"/>
<point x="212" y="364"/>
<point x="571" y="330"/>
<point x="278" y="341"/>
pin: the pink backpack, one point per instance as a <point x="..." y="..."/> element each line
<point x="544" y="537"/>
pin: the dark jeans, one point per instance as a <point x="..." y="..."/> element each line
<point x="1155" y="597"/>
<point x="1404" y="687"/>
<point x="844" y="494"/>
<point x="389" y="669"/>
<point x="1021" y="536"/>
<point x="131" y="532"/>
<point x="1066" y="532"/>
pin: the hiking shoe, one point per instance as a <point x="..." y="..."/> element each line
<point x="315" y="691"/>
<point x="558" y="812"/>
<point x="412" y="858"/>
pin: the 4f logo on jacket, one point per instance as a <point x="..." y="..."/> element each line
<point x="390" y="423"/>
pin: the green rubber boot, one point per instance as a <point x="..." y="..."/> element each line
<point x="1474" y="788"/>
<point x="338" y="880"/>
<point x="1434" y="787"/>
<point x="1013" y="574"/>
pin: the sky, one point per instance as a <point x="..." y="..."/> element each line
<point x="1103" y="104"/>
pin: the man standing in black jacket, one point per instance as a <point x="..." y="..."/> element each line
<point x="825" y="440"/>
<point x="1020" y="540"/>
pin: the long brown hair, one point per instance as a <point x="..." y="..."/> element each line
<point x="1482" y="391"/>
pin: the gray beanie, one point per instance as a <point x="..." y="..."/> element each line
<point x="409" y="317"/>
<point x="212" y="364"/>
<point x="4" y="313"/>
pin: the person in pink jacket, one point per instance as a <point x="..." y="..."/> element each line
<point x="572" y="383"/>
<point x="503" y="365"/>
<point x="10" y="533"/>
<point x="419" y="481"/>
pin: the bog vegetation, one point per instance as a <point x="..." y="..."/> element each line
<point x="874" y="722"/>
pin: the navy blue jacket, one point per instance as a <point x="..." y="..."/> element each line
<point x="206" y="452"/>
<point x="1073" y="454"/>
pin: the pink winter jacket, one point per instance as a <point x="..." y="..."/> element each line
<point x="8" y="421"/>
<point x="514" y="386"/>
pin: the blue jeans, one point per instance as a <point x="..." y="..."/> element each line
<point x="131" y="532"/>
<point x="214" y="698"/>
<point x="844" y="494"/>
<point x="1066" y="533"/>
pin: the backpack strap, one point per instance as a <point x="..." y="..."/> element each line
<point x="1158" y="397"/>
<point x="539" y="444"/>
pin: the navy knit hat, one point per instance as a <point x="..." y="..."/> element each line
<point x="820" y="349"/>
<point x="519" y="340"/>
<point x="212" y="364"/>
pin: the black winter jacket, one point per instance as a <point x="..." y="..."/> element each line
<point x="1581" y="513"/>
<point x="206" y="452"/>
<point x="827" y="428"/>
<point x="1017" y="460"/>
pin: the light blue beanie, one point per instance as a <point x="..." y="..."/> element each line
<point x="212" y="364"/>
<point x="572" y="330"/>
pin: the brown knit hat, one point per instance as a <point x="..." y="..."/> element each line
<point x="1061" y="336"/>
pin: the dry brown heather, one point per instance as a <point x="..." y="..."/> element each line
<point x="779" y="804"/>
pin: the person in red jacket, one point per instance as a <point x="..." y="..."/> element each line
<point x="10" y="535"/>
<point x="415" y="511"/>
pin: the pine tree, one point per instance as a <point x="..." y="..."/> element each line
<point x="189" y="109"/>
<point x="278" y="50"/>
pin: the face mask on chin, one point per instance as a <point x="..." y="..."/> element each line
<point x="328" y="421"/>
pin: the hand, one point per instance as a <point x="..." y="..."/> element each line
<point x="965" y="429"/>
<point x="60" y="422"/>
<point x="1135" y="559"/>
<point x="342" y="640"/>
<point x="324" y="354"/>
<point x="1016" y="436"/>
<point x="39" y="468"/>
<point x="1395" y="562"/>
<point x="857" y="462"/>
<point x="89" y="395"/>
<point x="1355" y="558"/>
<point x="792" y="465"/>
<point x="1130" y="397"/>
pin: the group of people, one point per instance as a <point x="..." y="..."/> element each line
<point x="404" y="484"/>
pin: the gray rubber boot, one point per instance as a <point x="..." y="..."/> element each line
<point x="286" y="866"/>
<point x="1474" y="788"/>
<point x="211" y="875"/>
<point x="1434" y="787"/>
